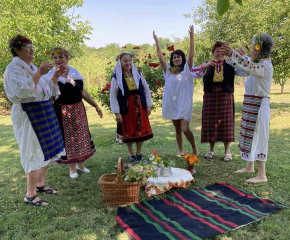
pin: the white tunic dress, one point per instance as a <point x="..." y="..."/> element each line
<point x="258" y="83"/>
<point x="19" y="88"/>
<point x="178" y="93"/>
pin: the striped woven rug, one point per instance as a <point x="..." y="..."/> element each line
<point x="194" y="214"/>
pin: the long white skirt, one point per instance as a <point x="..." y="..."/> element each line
<point x="259" y="149"/>
<point x="32" y="157"/>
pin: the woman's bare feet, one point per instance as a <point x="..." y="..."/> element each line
<point x="257" y="180"/>
<point x="245" y="170"/>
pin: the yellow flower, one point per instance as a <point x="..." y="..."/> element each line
<point x="257" y="47"/>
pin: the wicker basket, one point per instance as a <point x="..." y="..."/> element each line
<point x="116" y="192"/>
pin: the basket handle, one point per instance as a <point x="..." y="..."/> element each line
<point x="121" y="170"/>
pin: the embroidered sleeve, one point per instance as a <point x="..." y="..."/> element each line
<point x="55" y="91"/>
<point x="198" y="72"/>
<point x="244" y="64"/>
<point x="19" y="87"/>
<point x="115" y="108"/>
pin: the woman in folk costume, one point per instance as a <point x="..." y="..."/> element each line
<point x="218" y="110"/>
<point x="35" y="125"/>
<point x="254" y="132"/>
<point x="178" y="92"/>
<point x="71" y="113"/>
<point x="131" y="103"/>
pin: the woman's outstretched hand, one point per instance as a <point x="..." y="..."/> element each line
<point x="155" y="36"/>
<point x="191" y="31"/>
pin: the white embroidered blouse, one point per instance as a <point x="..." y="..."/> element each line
<point x="260" y="74"/>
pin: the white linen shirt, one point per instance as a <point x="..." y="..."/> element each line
<point x="178" y="93"/>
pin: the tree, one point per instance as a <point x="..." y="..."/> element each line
<point x="47" y="24"/>
<point x="238" y="25"/>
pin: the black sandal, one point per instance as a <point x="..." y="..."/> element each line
<point x="37" y="203"/>
<point x="48" y="190"/>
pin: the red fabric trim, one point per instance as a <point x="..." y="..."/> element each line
<point x="164" y="223"/>
<point x="249" y="112"/>
<point x="191" y="216"/>
<point x="251" y="104"/>
<point x="128" y="229"/>
<point x="245" y="136"/>
<point x="249" y="129"/>
<point x="205" y="211"/>
<point x="232" y="204"/>
<point x="248" y="120"/>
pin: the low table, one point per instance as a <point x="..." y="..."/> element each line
<point x="180" y="178"/>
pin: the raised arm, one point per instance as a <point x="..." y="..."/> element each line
<point x="159" y="53"/>
<point x="242" y="63"/>
<point x="90" y="100"/>
<point x="191" y="47"/>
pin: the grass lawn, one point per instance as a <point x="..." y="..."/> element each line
<point x="79" y="212"/>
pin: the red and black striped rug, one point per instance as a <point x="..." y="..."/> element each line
<point x="194" y="214"/>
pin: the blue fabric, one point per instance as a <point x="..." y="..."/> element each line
<point x="46" y="127"/>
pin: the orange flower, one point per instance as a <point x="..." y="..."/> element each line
<point x="192" y="159"/>
<point x="155" y="153"/>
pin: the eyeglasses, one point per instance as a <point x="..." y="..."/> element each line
<point x="29" y="46"/>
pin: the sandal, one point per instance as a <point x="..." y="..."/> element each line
<point x="181" y="154"/>
<point x="37" y="203"/>
<point x="47" y="190"/>
<point x="228" y="157"/>
<point x="209" y="155"/>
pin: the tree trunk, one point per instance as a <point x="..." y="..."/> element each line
<point x="282" y="89"/>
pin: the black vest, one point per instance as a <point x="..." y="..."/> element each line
<point x="227" y="84"/>
<point x="123" y="99"/>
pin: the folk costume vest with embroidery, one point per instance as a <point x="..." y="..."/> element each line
<point x="228" y="79"/>
<point x="123" y="99"/>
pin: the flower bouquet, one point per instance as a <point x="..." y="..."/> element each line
<point x="191" y="161"/>
<point x="139" y="173"/>
<point x="162" y="166"/>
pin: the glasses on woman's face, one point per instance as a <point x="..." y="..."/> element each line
<point x="29" y="46"/>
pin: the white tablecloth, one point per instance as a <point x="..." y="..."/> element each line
<point x="179" y="178"/>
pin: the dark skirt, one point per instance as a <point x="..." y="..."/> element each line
<point x="79" y="145"/>
<point x="135" y="124"/>
<point x="218" y="116"/>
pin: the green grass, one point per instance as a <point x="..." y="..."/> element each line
<point x="79" y="212"/>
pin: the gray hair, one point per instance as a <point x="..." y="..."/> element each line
<point x="267" y="44"/>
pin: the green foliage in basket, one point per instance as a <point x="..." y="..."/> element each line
<point x="139" y="173"/>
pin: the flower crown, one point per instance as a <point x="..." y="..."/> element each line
<point x="121" y="54"/>
<point x="56" y="50"/>
<point x="258" y="43"/>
